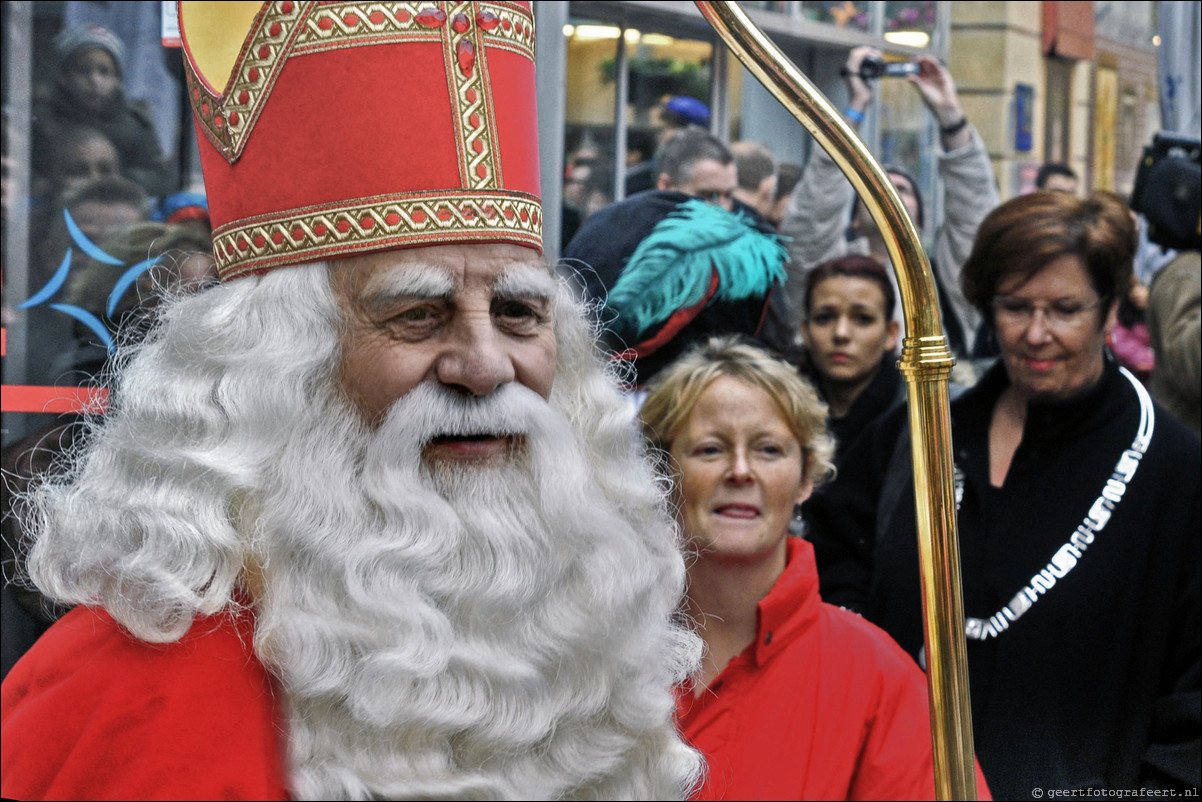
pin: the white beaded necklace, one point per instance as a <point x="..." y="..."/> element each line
<point x="1067" y="556"/>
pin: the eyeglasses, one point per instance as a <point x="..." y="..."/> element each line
<point x="1065" y="313"/>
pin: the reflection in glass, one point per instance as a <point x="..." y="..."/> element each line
<point x="911" y="23"/>
<point x="844" y="14"/>
<point x="777" y="6"/>
<point x="903" y="121"/>
<point x="657" y="67"/>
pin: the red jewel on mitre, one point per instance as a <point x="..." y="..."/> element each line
<point x="345" y="128"/>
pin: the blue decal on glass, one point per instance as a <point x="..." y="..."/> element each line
<point x="91" y="321"/>
<point x="85" y="244"/>
<point x="127" y="278"/>
<point x="52" y="286"/>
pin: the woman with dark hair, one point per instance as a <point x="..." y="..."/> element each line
<point x="1078" y="513"/>
<point x="850" y="339"/>
<point x="795" y="699"/>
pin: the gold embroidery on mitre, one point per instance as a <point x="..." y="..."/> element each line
<point x="507" y="26"/>
<point x="353" y="24"/>
<point x="471" y="96"/>
<point x="286" y="28"/>
<point x="337" y="25"/>
<point x="228" y="118"/>
<point x="340" y="229"/>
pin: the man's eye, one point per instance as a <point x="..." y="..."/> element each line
<point x="865" y="320"/>
<point x="418" y="314"/>
<point x="822" y="319"/>
<point x="513" y="309"/>
<point x="414" y="321"/>
<point x="518" y="317"/>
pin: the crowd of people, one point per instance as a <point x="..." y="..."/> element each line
<point x="110" y="237"/>
<point x="385" y="505"/>
<point x="97" y="174"/>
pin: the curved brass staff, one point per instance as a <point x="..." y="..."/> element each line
<point x="926" y="363"/>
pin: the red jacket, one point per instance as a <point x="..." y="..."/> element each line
<point x="92" y="713"/>
<point x="822" y="705"/>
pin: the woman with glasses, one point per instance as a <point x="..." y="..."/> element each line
<point x="1078" y="515"/>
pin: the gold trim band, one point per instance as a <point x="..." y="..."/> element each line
<point x="305" y="235"/>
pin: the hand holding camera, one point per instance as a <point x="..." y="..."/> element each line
<point x="873" y="67"/>
<point x="929" y="77"/>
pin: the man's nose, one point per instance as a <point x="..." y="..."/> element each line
<point x="476" y="359"/>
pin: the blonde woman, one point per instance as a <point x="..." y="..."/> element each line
<point x="795" y="699"/>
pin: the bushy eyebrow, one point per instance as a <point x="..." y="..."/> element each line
<point x="416" y="281"/>
<point x="524" y="281"/>
<point x="435" y="282"/>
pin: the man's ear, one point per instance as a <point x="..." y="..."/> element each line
<point x="765" y="196"/>
<point x="664" y="182"/>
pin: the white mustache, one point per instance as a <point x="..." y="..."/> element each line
<point x="431" y="411"/>
<point x="436" y="411"/>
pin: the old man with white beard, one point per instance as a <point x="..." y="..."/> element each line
<point x="368" y="520"/>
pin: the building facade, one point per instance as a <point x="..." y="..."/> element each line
<point x="1074" y="82"/>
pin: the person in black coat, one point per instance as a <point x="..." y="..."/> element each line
<point x="675" y="265"/>
<point x="88" y="92"/>
<point x="1078" y="512"/>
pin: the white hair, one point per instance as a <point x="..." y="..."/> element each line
<point x="509" y="633"/>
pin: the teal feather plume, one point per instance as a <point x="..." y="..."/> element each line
<point x="672" y="267"/>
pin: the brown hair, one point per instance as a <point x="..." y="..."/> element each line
<point x="1025" y="234"/>
<point x="691" y="145"/>
<point x="854" y="267"/>
<point x="676" y="390"/>
<point x="753" y="163"/>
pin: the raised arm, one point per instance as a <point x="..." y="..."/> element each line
<point x="969" y="186"/>
<point x="816" y="217"/>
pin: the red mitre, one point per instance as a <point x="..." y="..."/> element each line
<point x="329" y="129"/>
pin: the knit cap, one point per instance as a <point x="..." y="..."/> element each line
<point x="73" y="40"/>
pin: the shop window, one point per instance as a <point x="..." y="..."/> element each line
<point x="846" y="14"/>
<point x="912" y="24"/>
<point x="1129" y="140"/>
<point x="100" y="118"/>
<point x="599" y="166"/>
<point x="778" y="7"/>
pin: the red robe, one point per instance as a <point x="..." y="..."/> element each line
<point x="822" y="705"/>
<point x="92" y="713"/>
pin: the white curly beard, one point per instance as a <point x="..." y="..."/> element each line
<point x="473" y="631"/>
<point x="508" y="631"/>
